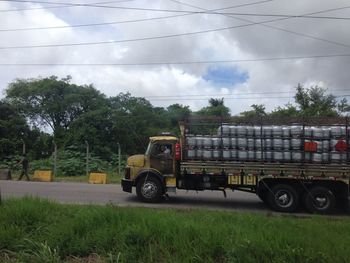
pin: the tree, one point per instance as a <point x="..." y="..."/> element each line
<point x="216" y="108"/>
<point x="343" y="106"/>
<point x="257" y="111"/>
<point x="39" y="144"/>
<point x="53" y="102"/>
<point x="96" y="128"/>
<point x="13" y="129"/>
<point x="315" y="102"/>
<point x="135" y="120"/>
<point x="216" y="102"/>
<point x="287" y="110"/>
<point x="177" y="112"/>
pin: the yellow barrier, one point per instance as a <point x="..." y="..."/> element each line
<point x="170" y="181"/>
<point x="98" y="178"/>
<point x="43" y="176"/>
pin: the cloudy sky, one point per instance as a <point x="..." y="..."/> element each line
<point x="149" y="48"/>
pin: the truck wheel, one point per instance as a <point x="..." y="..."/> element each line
<point x="283" y="198"/>
<point x="319" y="200"/>
<point x="149" y="189"/>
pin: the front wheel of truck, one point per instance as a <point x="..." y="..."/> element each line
<point x="149" y="189"/>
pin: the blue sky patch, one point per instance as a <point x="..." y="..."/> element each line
<point x="225" y="76"/>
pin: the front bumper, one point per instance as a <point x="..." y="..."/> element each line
<point x="127" y="185"/>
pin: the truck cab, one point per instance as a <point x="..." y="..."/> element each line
<point x="153" y="173"/>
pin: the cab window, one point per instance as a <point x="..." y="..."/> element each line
<point x="158" y="149"/>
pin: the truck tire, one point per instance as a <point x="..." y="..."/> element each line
<point x="283" y="198"/>
<point x="320" y="200"/>
<point x="149" y="189"/>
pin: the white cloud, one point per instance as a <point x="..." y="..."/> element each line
<point x="242" y="43"/>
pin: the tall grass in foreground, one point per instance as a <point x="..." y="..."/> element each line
<point x="33" y="230"/>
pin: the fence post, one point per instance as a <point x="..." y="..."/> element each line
<point x="55" y="160"/>
<point x="119" y="160"/>
<point x="87" y="158"/>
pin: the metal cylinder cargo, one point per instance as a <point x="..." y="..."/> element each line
<point x="287" y="163"/>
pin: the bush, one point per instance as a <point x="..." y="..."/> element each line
<point x="70" y="162"/>
<point x="43" y="164"/>
<point x="73" y="163"/>
<point x="10" y="162"/>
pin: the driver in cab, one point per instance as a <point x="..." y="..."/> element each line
<point x="164" y="151"/>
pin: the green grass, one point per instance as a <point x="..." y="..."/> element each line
<point x="33" y="230"/>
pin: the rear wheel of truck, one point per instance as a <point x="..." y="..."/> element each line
<point x="149" y="189"/>
<point x="283" y="198"/>
<point x="319" y="200"/>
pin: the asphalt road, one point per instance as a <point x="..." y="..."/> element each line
<point x="83" y="193"/>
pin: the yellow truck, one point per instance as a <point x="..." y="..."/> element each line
<point x="287" y="163"/>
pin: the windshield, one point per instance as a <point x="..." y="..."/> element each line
<point x="155" y="148"/>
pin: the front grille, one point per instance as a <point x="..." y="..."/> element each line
<point x="127" y="173"/>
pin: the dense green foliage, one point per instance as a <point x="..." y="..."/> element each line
<point x="33" y="230"/>
<point x="315" y="102"/>
<point x="12" y="126"/>
<point x="14" y="131"/>
<point x="53" y="102"/>
<point x="70" y="162"/>
<point x="216" y="108"/>
<point x="79" y="115"/>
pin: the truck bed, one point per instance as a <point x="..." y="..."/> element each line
<point x="262" y="169"/>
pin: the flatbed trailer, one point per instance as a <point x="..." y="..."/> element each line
<point x="284" y="186"/>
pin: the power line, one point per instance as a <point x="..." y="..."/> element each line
<point x="141" y="39"/>
<point x="59" y="5"/>
<point x="125" y="21"/>
<point x="117" y="7"/>
<point x="186" y="11"/>
<point x="264" y="23"/>
<point x="122" y="41"/>
<point x="176" y="62"/>
<point x="90" y="25"/>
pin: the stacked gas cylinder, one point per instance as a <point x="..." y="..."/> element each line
<point x="270" y="144"/>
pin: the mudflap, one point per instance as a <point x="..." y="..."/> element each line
<point x="127" y="185"/>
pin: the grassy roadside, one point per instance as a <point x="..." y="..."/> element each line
<point x="34" y="230"/>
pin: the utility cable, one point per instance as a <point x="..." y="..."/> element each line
<point x="177" y="62"/>
<point x="126" y="21"/>
<point x="186" y="11"/>
<point x="57" y="6"/>
<point x="264" y="23"/>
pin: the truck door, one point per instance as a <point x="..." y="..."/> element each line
<point x="162" y="157"/>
